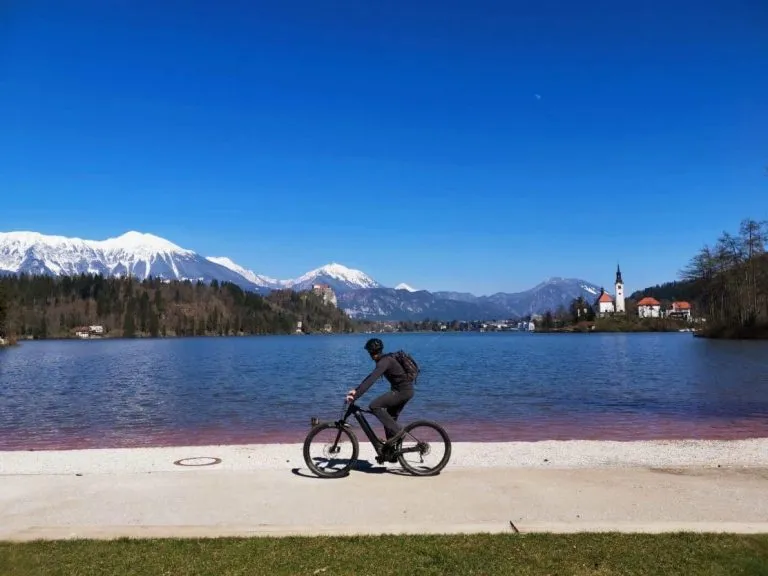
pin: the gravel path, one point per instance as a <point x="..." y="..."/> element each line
<point x="266" y="489"/>
<point x="547" y="454"/>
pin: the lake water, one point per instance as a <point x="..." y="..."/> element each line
<point x="484" y="387"/>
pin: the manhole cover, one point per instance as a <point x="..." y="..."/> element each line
<point x="198" y="461"/>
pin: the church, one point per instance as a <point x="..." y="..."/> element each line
<point x="606" y="304"/>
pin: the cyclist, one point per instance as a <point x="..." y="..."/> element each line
<point x="388" y="406"/>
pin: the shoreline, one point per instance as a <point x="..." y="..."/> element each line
<point x="175" y="337"/>
<point x="22" y="339"/>
<point x="600" y="428"/>
<point x="560" y="454"/>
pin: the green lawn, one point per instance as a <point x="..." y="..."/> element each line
<point x="514" y="554"/>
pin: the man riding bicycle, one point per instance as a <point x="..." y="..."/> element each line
<point x="388" y="406"/>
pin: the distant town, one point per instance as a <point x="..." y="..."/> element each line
<point x="605" y="306"/>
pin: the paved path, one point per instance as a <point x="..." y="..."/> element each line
<point x="41" y="496"/>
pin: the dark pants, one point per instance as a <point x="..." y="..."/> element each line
<point x="387" y="408"/>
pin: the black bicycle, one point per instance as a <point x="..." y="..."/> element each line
<point x="417" y="442"/>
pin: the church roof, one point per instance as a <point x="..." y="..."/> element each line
<point x="605" y="297"/>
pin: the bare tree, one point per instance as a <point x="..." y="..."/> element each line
<point x="733" y="275"/>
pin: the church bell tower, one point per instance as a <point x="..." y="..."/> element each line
<point x="619" y="292"/>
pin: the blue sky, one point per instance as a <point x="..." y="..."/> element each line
<point x="477" y="146"/>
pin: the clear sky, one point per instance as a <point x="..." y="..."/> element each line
<point x="479" y="146"/>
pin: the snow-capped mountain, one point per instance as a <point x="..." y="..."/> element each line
<point x="143" y="255"/>
<point x="133" y="253"/>
<point x="338" y="277"/>
<point x="259" y="280"/>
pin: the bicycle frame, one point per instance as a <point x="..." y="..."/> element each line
<point x="353" y="409"/>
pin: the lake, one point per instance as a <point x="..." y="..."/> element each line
<point x="481" y="387"/>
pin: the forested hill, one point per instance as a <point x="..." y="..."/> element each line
<point x="47" y="307"/>
<point x="686" y="290"/>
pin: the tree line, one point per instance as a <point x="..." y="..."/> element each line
<point x="731" y="281"/>
<point x="48" y="307"/>
<point x="3" y="310"/>
<point x="427" y="325"/>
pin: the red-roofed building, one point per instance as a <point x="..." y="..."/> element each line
<point x="606" y="304"/>
<point x="649" y="308"/>
<point x="681" y="309"/>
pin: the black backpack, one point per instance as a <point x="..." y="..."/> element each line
<point x="408" y="363"/>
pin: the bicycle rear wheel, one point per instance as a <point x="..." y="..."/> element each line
<point x="333" y="445"/>
<point x="424" y="439"/>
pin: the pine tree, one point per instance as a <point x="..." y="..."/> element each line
<point x="42" y="331"/>
<point x="154" y="326"/>
<point x="144" y="312"/>
<point x="129" y="322"/>
<point x="3" y="309"/>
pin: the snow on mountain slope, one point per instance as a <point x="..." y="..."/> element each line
<point x="39" y="254"/>
<point x="338" y="277"/>
<point x="143" y="255"/>
<point x="139" y="244"/>
<point x="249" y="275"/>
<point x="404" y="286"/>
<point x="134" y="253"/>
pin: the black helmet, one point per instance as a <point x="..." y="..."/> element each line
<point x="374" y="346"/>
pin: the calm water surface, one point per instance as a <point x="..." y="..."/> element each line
<point x="486" y="387"/>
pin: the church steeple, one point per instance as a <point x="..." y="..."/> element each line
<point x="620" y="306"/>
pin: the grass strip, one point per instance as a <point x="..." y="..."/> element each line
<point x="519" y="554"/>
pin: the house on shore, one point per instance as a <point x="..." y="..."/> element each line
<point x="649" y="308"/>
<point x="680" y="309"/>
<point x="86" y="332"/>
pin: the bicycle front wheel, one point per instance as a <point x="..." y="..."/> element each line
<point x="424" y="449"/>
<point x="330" y="450"/>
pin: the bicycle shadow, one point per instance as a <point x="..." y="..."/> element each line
<point x="364" y="466"/>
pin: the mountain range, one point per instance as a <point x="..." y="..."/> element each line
<point x="360" y="296"/>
